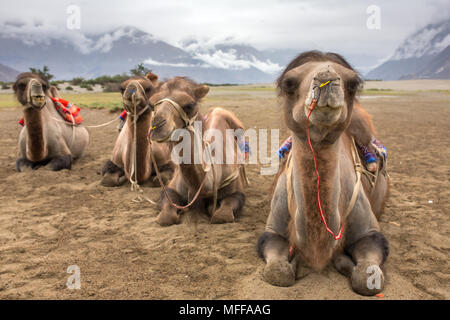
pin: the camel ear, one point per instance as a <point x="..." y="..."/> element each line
<point x="152" y="77"/>
<point x="54" y="92"/>
<point x="201" y="91"/>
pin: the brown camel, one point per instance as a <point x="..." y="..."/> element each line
<point x="125" y="164"/>
<point x="296" y="238"/>
<point x="176" y="107"/>
<point x="46" y="139"/>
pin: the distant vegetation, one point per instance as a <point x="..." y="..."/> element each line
<point x="5" y="85"/>
<point x="45" y="72"/>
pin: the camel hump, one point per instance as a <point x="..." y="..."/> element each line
<point x="225" y="115"/>
<point x="361" y="125"/>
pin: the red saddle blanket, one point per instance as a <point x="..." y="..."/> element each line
<point x="68" y="111"/>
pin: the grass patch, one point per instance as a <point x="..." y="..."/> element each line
<point x="8" y="100"/>
<point x="441" y="91"/>
<point x="102" y="100"/>
<point x="244" y="88"/>
<point x="384" y="92"/>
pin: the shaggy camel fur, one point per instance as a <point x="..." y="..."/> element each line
<point x="46" y="139"/>
<point x="136" y="92"/>
<point x="295" y="238"/>
<point x="176" y="107"/>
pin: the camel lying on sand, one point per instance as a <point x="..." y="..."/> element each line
<point x="127" y="163"/>
<point x="176" y="106"/>
<point x="46" y="139"/>
<point x="307" y="229"/>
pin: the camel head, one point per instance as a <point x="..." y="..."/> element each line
<point x="175" y="104"/>
<point x="136" y="92"/>
<point x="31" y="89"/>
<point x="329" y="79"/>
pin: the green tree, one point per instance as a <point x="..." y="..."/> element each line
<point x="140" y="70"/>
<point x="44" y="72"/>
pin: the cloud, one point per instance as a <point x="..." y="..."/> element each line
<point x="168" y="64"/>
<point x="229" y="60"/>
<point x="308" y="24"/>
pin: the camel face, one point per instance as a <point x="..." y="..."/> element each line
<point x="135" y="93"/>
<point x="330" y="99"/>
<point x="166" y="117"/>
<point x="30" y="89"/>
<point x="332" y="85"/>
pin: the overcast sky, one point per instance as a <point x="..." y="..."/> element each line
<point x="327" y="25"/>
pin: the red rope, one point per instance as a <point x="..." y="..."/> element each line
<point x="319" y="202"/>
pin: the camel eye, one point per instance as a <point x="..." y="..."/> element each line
<point x="22" y="86"/>
<point x="189" y="107"/>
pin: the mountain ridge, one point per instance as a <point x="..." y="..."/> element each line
<point x="424" y="54"/>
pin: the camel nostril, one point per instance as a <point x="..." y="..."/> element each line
<point x="158" y="124"/>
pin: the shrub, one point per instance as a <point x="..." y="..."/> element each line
<point x="77" y="81"/>
<point x="69" y="88"/>
<point x="111" y="87"/>
<point x="86" y="86"/>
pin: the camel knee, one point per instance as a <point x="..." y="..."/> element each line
<point x="373" y="247"/>
<point x="169" y="214"/>
<point x="23" y="164"/>
<point x="168" y="217"/>
<point x="272" y="244"/>
<point x="61" y="162"/>
<point x="113" y="175"/>
<point x="369" y="253"/>
<point x="344" y="264"/>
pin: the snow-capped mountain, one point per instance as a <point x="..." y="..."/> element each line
<point x="75" y="54"/>
<point x="424" y="54"/>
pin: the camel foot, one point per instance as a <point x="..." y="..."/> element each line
<point x="61" y="162"/>
<point x="279" y="272"/>
<point x="168" y="218"/>
<point x="23" y="164"/>
<point x="367" y="279"/>
<point x="223" y="215"/>
<point x="113" y="180"/>
<point x="113" y="175"/>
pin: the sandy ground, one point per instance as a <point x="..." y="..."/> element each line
<point x="51" y="220"/>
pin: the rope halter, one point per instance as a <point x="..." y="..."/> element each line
<point x="188" y="122"/>
<point x="131" y="107"/>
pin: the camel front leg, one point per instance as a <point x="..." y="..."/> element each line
<point x="274" y="249"/>
<point x="229" y="207"/>
<point x="369" y="253"/>
<point x="113" y="175"/>
<point x="273" y="245"/>
<point x="169" y="215"/>
<point x="61" y="162"/>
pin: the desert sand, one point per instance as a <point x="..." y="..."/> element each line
<point x="51" y="220"/>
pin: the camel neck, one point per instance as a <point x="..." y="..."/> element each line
<point x="313" y="232"/>
<point x="193" y="172"/>
<point x="36" y="144"/>
<point x="142" y="145"/>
